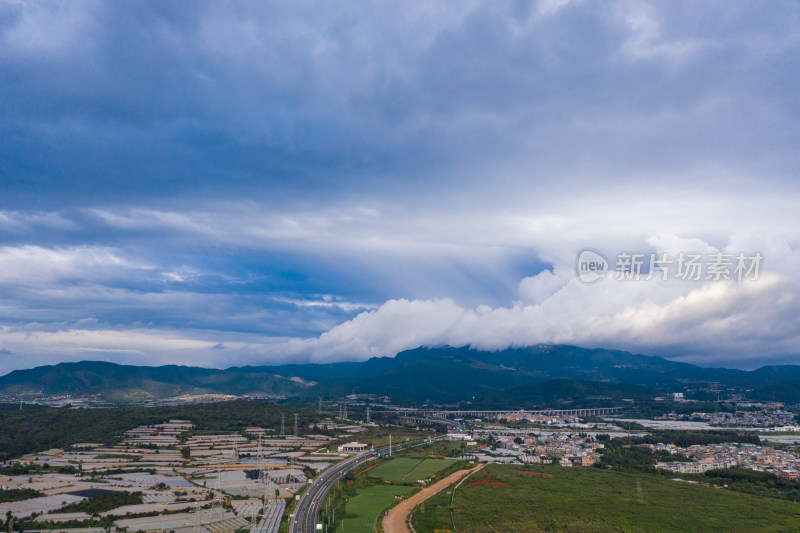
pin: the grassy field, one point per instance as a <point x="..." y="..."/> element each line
<point x="406" y="470"/>
<point x="368" y="505"/>
<point x="504" y="498"/>
<point x="395" y="470"/>
<point x="427" y="468"/>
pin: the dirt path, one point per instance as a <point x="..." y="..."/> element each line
<point x="395" y="521"/>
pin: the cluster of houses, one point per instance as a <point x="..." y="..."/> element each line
<point x="769" y="417"/>
<point x="557" y="448"/>
<point x="782" y="463"/>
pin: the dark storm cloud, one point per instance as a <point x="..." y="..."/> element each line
<point x="149" y="99"/>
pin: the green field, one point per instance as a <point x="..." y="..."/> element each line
<point x="395" y="469"/>
<point x="427" y="468"/>
<point x="405" y="470"/>
<point x="595" y="500"/>
<point x="368" y="505"/>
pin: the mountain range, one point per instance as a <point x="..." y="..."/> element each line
<point x="438" y="375"/>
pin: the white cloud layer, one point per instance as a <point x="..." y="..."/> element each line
<point x="710" y="322"/>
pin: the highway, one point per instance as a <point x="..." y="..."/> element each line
<point x="306" y="513"/>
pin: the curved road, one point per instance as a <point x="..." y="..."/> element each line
<point x="306" y="513"/>
<point x="396" y="521"/>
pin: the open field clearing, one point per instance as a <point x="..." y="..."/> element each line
<point x="395" y="470"/>
<point x="503" y="498"/>
<point x="427" y="468"/>
<point x="406" y="470"/>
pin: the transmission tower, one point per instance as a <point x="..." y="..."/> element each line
<point x="196" y="518"/>
<point x="295" y="425"/>
<point x="283" y="424"/>
<point x="216" y="502"/>
<point x="262" y="463"/>
<point x="368" y="414"/>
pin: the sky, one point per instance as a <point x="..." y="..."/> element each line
<point x="230" y="183"/>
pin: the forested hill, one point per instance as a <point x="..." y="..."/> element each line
<point x="441" y="375"/>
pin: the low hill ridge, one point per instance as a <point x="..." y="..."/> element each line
<point x="443" y="375"/>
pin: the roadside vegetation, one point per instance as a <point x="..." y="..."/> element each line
<point x="366" y="508"/>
